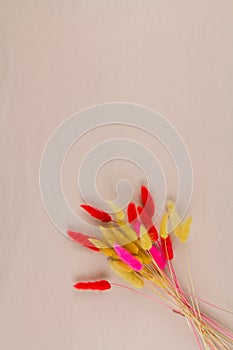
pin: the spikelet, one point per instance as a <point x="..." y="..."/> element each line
<point x="118" y="212"/>
<point x="131" y="234"/>
<point x="97" y="285"/>
<point x="163" y="225"/>
<point x="173" y="214"/>
<point x="167" y="248"/>
<point x="131" y="277"/>
<point x="145" y="240"/>
<point x="103" y="247"/>
<point x="112" y="235"/>
<point x="183" y="230"/>
<point x="121" y="265"/>
<point x="153" y="233"/>
<point x="158" y="257"/>
<point x="136" y="226"/>
<point x="98" y="243"/>
<point x="128" y="258"/>
<point x="110" y="252"/>
<point x="132" y="248"/>
<point x="139" y="258"/>
<point x="82" y="239"/>
<point x="145" y="258"/>
<point x="128" y="232"/>
<point x="145" y="218"/>
<point x="119" y="236"/>
<point x="147" y="222"/>
<point x="147" y="201"/>
<point x="132" y="212"/>
<point x="108" y="235"/>
<point x="96" y="213"/>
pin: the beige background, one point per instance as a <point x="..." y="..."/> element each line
<point x="58" y="57"/>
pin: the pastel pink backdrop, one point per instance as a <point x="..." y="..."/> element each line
<point x="59" y="57"/>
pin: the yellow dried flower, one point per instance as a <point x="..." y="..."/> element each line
<point x="112" y="236"/>
<point x="163" y="226"/>
<point x="145" y="240"/>
<point x="173" y="214"/>
<point x="132" y="248"/>
<point x="121" y="265"/>
<point x="118" y="212"/>
<point x="130" y="277"/>
<point x="145" y="258"/>
<point x="98" y="243"/>
<point x="119" y="236"/>
<point x="182" y="232"/>
<point x="109" y="252"/>
<point x="146" y="273"/>
<point x="108" y="235"/>
<point x="131" y="234"/>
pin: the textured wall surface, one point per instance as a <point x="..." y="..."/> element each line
<point x="58" y="57"/>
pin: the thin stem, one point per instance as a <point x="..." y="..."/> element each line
<point x="141" y="293"/>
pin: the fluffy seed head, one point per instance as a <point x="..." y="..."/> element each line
<point x="96" y="285"/>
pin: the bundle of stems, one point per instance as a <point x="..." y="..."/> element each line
<point x="141" y="254"/>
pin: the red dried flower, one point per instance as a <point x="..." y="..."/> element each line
<point x="97" y="213"/>
<point x="82" y="239"/>
<point x="147" y="201"/>
<point x="96" y="285"/>
<point x="147" y="222"/>
<point x="167" y="247"/>
<point x="132" y="212"/>
<point x="153" y="233"/>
